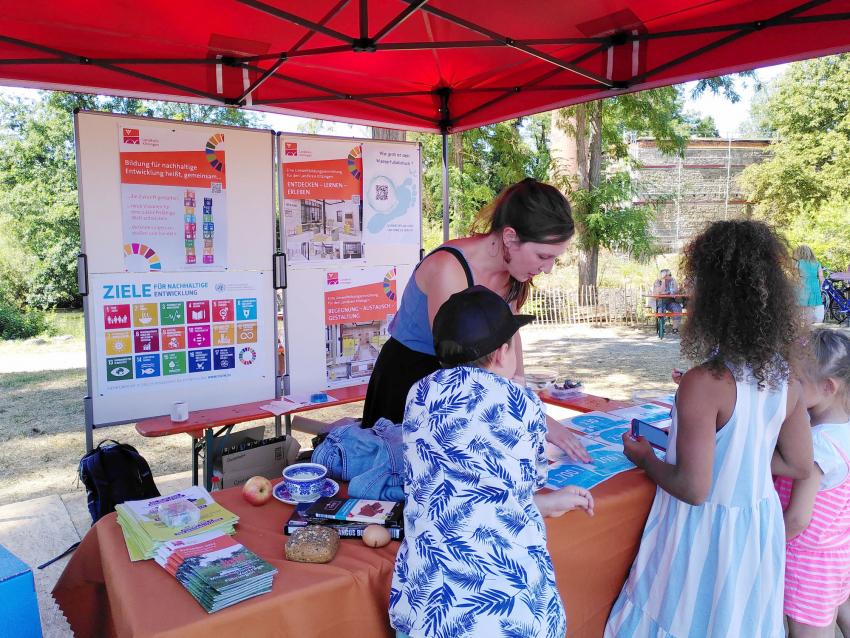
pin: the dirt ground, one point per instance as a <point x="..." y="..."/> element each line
<point x="42" y="434"/>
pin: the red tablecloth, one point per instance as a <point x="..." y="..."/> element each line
<point x="103" y="594"/>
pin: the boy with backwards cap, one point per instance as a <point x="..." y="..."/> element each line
<point x="474" y="559"/>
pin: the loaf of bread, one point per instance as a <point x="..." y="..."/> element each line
<point x="312" y="544"/>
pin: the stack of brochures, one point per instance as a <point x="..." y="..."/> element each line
<point x="144" y="531"/>
<point x="215" y="569"/>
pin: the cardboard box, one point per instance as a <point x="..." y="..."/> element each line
<point x="258" y="458"/>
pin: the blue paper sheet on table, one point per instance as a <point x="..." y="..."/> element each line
<point x="603" y="440"/>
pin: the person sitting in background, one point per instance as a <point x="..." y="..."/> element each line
<point x="666" y="285"/>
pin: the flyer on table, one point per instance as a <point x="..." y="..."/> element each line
<point x="180" y="328"/>
<point x="322" y="200"/>
<point x="360" y="303"/>
<point x="391" y="194"/>
<point x="173" y="199"/>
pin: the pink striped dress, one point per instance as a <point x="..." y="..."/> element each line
<point x="817" y="568"/>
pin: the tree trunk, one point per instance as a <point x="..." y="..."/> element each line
<point x="456" y="161"/>
<point x="388" y="134"/>
<point x="588" y="262"/>
<point x="589" y="258"/>
<point x="577" y="157"/>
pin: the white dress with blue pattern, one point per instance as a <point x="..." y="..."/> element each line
<point x="474" y="560"/>
<point x="715" y="570"/>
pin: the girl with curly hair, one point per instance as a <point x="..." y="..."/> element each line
<point x="712" y="557"/>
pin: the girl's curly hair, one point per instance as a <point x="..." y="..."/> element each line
<point x="743" y="307"/>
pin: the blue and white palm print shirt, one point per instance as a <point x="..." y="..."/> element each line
<point x="474" y="561"/>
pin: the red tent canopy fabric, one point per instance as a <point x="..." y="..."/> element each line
<point x="439" y="65"/>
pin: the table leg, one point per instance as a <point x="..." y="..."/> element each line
<point x="208" y="460"/>
<point x="196" y="450"/>
<point x="277" y="429"/>
<point x="288" y="425"/>
<point x="659" y="326"/>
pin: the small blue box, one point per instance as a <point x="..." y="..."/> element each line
<point x="18" y="602"/>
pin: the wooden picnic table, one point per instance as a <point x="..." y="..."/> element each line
<point x="662" y="316"/>
<point x="201" y="425"/>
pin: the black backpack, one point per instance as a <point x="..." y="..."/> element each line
<point x="113" y="473"/>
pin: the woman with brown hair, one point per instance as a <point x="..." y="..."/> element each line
<point x="525" y="228"/>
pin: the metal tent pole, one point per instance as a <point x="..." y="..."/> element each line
<point x="445" y="186"/>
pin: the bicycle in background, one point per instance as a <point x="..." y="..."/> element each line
<point x="835" y="301"/>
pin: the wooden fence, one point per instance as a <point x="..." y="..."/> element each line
<point x="587" y="304"/>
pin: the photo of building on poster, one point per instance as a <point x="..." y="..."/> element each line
<point x="322" y="200"/>
<point x="360" y="303"/>
<point x="173" y="199"/>
<point x="391" y="194"/>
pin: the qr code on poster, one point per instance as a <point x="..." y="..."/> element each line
<point x="216" y="187"/>
<point x="382" y="192"/>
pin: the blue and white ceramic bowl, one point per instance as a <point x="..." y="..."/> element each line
<point x="304" y="481"/>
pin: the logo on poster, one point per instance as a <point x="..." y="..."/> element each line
<point x="131" y="136"/>
<point x="290" y="149"/>
<point x="333" y="278"/>
<point x="247" y="356"/>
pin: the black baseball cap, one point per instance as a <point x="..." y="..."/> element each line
<point x="473" y="323"/>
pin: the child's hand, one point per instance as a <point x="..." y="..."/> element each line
<point x="560" y="436"/>
<point x="637" y="450"/>
<point x="676" y="375"/>
<point x="559" y="502"/>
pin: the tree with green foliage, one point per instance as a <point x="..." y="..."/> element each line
<point x="482" y="162"/>
<point x="591" y="164"/>
<point x="804" y="186"/>
<point x="38" y="183"/>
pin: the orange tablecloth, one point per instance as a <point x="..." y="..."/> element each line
<point x="103" y="594"/>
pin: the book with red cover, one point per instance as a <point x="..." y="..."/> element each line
<point x="363" y="510"/>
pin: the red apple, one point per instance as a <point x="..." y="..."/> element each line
<point x="257" y="490"/>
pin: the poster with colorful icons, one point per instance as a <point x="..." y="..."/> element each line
<point x="360" y="303"/>
<point x="322" y="200"/>
<point x="173" y="198"/>
<point x="391" y="194"/>
<point x="206" y="338"/>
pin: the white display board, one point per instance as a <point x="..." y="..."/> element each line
<point x="351" y="231"/>
<point x="178" y="228"/>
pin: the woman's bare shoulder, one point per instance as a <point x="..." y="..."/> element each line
<point x="440" y="270"/>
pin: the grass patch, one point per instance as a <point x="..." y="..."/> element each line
<point x="66" y="322"/>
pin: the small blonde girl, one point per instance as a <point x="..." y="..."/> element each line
<point x="817" y="509"/>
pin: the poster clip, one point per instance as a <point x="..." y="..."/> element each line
<point x="279" y="271"/>
<point x="83" y="274"/>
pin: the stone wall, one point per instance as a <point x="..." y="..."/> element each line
<point x="696" y="189"/>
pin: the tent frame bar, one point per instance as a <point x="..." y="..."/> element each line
<point x="366" y="44"/>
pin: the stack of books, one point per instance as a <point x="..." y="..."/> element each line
<point x="349" y="516"/>
<point x="215" y="569"/>
<point x="144" y="532"/>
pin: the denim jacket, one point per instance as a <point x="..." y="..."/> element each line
<point x="370" y="459"/>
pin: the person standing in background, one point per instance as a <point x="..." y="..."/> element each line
<point x="811" y="280"/>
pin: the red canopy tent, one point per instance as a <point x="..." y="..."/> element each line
<point x="438" y="65"/>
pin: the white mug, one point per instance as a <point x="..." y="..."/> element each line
<point x="180" y="411"/>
